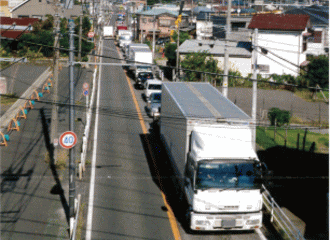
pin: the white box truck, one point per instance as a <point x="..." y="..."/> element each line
<point x="140" y="58"/>
<point x="108" y="32"/>
<point x="130" y="46"/>
<point x="209" y="142"/>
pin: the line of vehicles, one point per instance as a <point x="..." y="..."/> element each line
<point x="209" y="142"/>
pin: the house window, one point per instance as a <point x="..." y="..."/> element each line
<point x="37" y="16"/>
<point x="317" y="36"/>
<point x="304" y="44"/>
<point x="150" y="19"/>
<point x="23" y="16"/>
<point x="166" y="22"/>
<point x="144" y="20"/>
<point x="263" y="68"/>
<point x="40" y="0"/>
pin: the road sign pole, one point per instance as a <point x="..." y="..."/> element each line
<point x="72" y="164"/>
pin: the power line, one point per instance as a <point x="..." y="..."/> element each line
<point x="183" y="69"/>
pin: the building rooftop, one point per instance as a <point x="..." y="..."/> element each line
<point x="156" y="12"/>
<point x="289" y="22"/>
<point x="216" y="47"/>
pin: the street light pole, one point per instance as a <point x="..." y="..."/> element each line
<point x="226" y="60"/>
<point x="72" y="165"/>
<point x="254" y="87"/>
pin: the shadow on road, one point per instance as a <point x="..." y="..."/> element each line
<point x="57" y="189"/>
<point x="300" y="184"/>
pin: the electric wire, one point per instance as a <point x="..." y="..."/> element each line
<point x="216" y="74"/>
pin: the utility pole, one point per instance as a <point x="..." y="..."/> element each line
<point x="178" y="55"/>
<point x="226" y="60"/>
<point x="54" y="122"/>
<point x="80" y="35"/>
<point x="178" y="21"/>
<point x="153" y="39"/>
<point x="72" y="165"/>
<point x="254" y="87"/>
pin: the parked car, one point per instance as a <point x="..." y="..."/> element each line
<point x="152" y="86"/>
<point x="163" y="40"/>
<point x="142" y="78"/>
<point x="154" y="104"/>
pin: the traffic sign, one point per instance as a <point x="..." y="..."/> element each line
<point x="90" y="34"/>
<point x="85" y="86"/>
<point x="85" y="92"/>
<point x="68" y="139"/>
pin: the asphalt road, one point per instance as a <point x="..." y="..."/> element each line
<point x="133" y="187"/>
<point x="32" y="205"/>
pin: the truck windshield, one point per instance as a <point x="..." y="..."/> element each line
<point x="227" y="175"/>
<point x="155" y="86"/>
<point x="125" y="37"/>
<point x="144" y="68"/>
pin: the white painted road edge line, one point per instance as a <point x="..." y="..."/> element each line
<point x="261" y="235"/>
<point x="92" y="183"/>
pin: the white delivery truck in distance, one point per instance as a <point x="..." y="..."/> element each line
<point x="108" y="32"/>
<point x="209" y="142"/>
<point x="141" y="60"/>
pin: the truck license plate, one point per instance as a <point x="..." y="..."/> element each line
<point x="228" y="223"/>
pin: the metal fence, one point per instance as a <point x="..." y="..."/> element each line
<point x="279" y="220"/>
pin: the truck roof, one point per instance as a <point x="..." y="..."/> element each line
<point x="204" y="99"/>
<point x="141" y="50"/>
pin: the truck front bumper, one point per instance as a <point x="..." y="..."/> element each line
<point x="225" y="222"/>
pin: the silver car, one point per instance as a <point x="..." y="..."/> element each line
<point x="154" y="104"/>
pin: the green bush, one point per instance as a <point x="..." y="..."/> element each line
<point x="280" y="116"/>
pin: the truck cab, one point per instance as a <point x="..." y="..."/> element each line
<point x="124" y="40"/>
<point x="152" y="86"/>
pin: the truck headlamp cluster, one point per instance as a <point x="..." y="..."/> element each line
<point x="253" y="222"/>
<point x="202" y="222"/>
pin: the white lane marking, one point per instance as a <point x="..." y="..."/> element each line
<point x="261" y="235"/>
<point x="92" y="183"/>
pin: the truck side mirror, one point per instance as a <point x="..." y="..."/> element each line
<point x="187" y="181"/>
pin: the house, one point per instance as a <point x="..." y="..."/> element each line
<point x="162" y="21"/>
<point x="4" y="9"/>
<point x="28" y="9"/>
<point x="318" y="41"/>
<point x="240" y="56"/>
<point x="14" y="27"/>
<point x="282" y="41"/>
<point x="210" y="26"/>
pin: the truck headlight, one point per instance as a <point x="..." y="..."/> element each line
<point x="253" y="222"/>
<point x="155" y="110"/>
<point x="202" y="222"/>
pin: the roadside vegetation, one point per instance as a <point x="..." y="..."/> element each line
<point x="38" y="44"/>
<point x="271" y="137"/>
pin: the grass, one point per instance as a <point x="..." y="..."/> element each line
<point x="265" y="139"/>
<point x="81" y="221"/>
<point x="8" y="99"/>
<point x="307" y="95"/>
<point x="62" y="157"/>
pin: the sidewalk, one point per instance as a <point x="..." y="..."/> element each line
<point x="34" y="194"/>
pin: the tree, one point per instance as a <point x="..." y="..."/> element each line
<point x="279" y="116"/>
<point x="170" y="48"/>
<point x="183" y="36"/>
<point x="318" y="72"/>
<point x="200" y="61"/>
<point x="170" y="53"/>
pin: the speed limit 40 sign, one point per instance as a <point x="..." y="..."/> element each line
<point x="68" y="139"/>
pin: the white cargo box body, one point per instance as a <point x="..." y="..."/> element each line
<point x="186" y="106"/>
<point x="108" y="32"/>
<point x="130" y="46"/>
<point x="141" y="56"/>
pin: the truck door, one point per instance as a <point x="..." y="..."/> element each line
<point x="189" y="179"/>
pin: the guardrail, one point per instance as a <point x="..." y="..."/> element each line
<point x="278" y="218"/>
